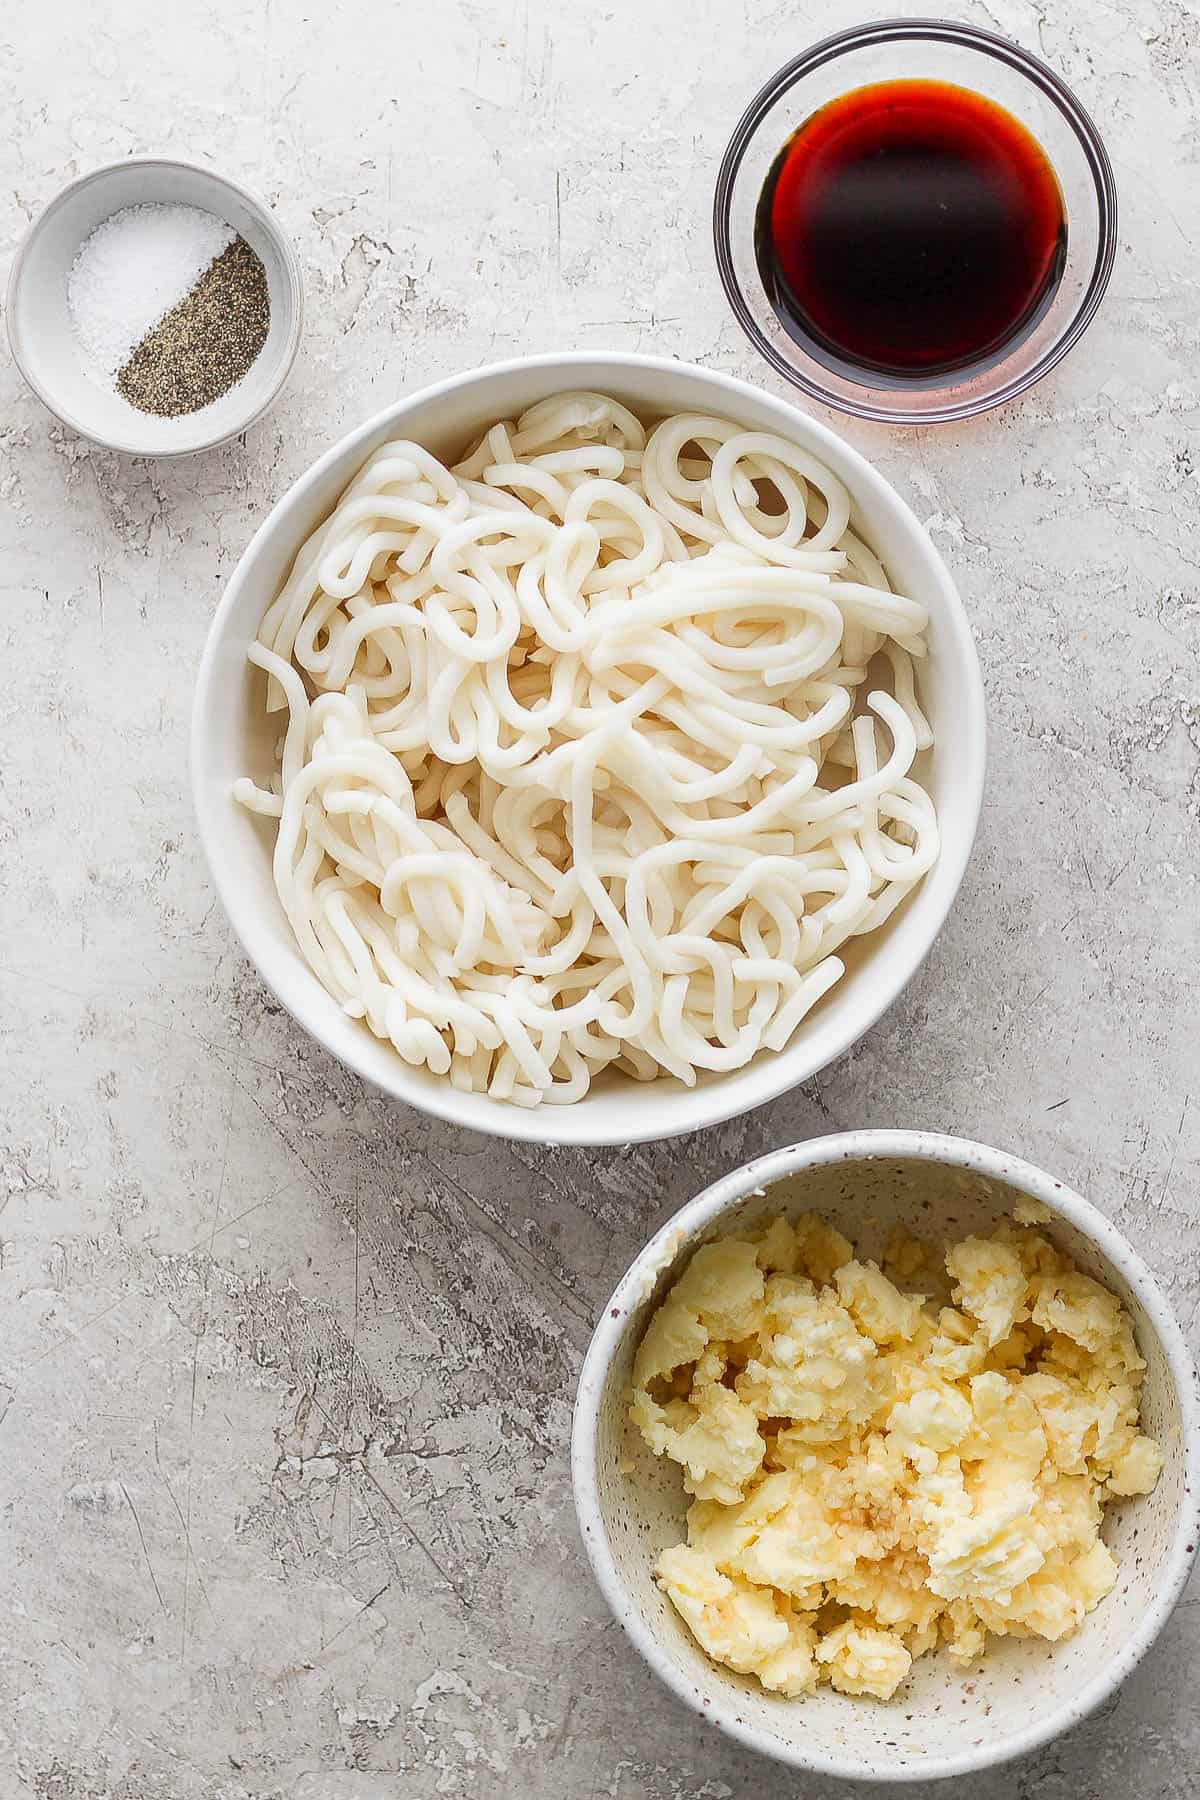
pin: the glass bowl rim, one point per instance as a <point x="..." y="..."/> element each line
<point x="986" y="43"/>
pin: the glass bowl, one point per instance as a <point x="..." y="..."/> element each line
<point x="935" y="50"/>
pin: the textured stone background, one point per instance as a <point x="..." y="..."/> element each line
<point x="285" y="1370"/>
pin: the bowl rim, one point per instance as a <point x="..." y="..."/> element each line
<point x="270" y="225"/>
<point x="553" y="1125"/>
<point x="680" y="1232"/>
<point x="986" y="43"/>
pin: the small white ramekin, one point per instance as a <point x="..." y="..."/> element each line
<point x="945" y="1721"/>
<point x="44" y="345"/>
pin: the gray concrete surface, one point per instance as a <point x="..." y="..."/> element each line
<point x="285" y="1370"/>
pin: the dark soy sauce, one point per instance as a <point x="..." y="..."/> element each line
<point x="910" y="229"/>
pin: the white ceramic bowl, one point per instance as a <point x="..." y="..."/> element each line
<point x="944" y="1721"/>
<point x="43" y="343"/>
<point x="231" y="736"/>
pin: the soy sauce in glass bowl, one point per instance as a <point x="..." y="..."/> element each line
<point x="911" y="227"/>
<point x="915" y="220"/>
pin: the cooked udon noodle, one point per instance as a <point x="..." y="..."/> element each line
<point x="577" y="771"/>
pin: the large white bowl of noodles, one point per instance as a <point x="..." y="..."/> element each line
<point x="236" y="742"/>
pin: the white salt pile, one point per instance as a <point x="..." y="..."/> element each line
<point x="135" y="266"/>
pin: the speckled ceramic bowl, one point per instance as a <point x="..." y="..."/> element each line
<point x="944" y="1721"/>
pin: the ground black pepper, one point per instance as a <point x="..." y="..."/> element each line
<point x="204" y="344"/>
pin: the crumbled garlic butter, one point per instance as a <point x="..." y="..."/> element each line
<point x="872" y="1474"/>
